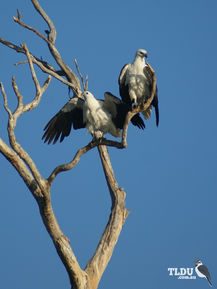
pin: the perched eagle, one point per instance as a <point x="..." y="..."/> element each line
<point x="98" y="116"/>
<point x="136" y="83"/>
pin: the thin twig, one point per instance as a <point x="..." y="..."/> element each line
<point x="54" y="74"/>
<point x="21" y="62"/>
<point x="43" y="65"/>
<point x="5" y="101"/>
<point x="46" y="83"/>
<point x="70" y="75"/>
<point x="78" y="70"/>
<point x="19" y="21"/>
<point x="52" y="33"/>
<point x="35" y="80"/>
<point x="86" y="83"/>
<point x="19" y="96"/>
<point x="12" y="46"/>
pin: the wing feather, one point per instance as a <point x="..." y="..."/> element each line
<point x="149" y="77"/>
<point x="60" y="125"/>
<point x="119" y="110"/>
<point x="123" y="86"/>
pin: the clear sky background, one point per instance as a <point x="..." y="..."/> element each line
<point x="169" y="173"/>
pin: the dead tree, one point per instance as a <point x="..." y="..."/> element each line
<point x="39" y="186"/>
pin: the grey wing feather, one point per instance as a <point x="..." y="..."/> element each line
<point x="122" y="75"/>
<point x="111" y="102"/>
<point x="149" y="77"/>
<point x="60" y="125"/>
<point x="123" y="86"/>
<point x="119" y="110"/>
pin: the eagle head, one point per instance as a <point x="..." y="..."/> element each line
<point x="142" y="53"/>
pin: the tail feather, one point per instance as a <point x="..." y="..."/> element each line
<point x="210" y="283"/>
<point x="157" y="114"/>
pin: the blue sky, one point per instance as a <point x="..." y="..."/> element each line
<point x="169" y="172"/>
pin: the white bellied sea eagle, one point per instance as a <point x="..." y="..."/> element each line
<point x="98" y="116"/>
<point x="136" y="83"/>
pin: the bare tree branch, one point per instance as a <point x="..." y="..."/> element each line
<point x="70" y="75"/>
<point x="21" y="168"/>
<point x="12" y="46"/>
<point x="52" y="34"/>
<point x="119" y="213"/>
<point x="79" y="153"/>
<point x="43" y="65"/>
<point x="35" y="80"/>
<point x="86" y="83"/>
<point x="36" y="184"/>
<point x="19" y="21"/>
<point x="19" y="111"/>
<point x="5" y="100"/>
<point x="78" y="277"/>
<point x="81" y="76"/>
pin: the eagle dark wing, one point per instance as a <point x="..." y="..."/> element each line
<point x="123" y="87"/>
<point x="138" y="121"/>
<point x="119" y="110"/>
<point x="149" y="77"/>
<point x="60" y="125"/>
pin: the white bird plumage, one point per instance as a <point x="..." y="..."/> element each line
<point x="98" y="120"/>
<point x="98" y="116"/>
<point x="136" y="84"/>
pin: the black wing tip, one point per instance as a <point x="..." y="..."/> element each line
<point x="138" y="121"/>
<point x="141" y="125"/>
<point x="157" y="115"/>
<point x="50" y="138"/>
<point x="210" y="283"/>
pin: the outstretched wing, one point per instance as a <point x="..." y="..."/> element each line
<point x="123" y="86"/>
<point x="119" y="110"/>
<point x="149" y="78"/>
<point x="60" y="125"/>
